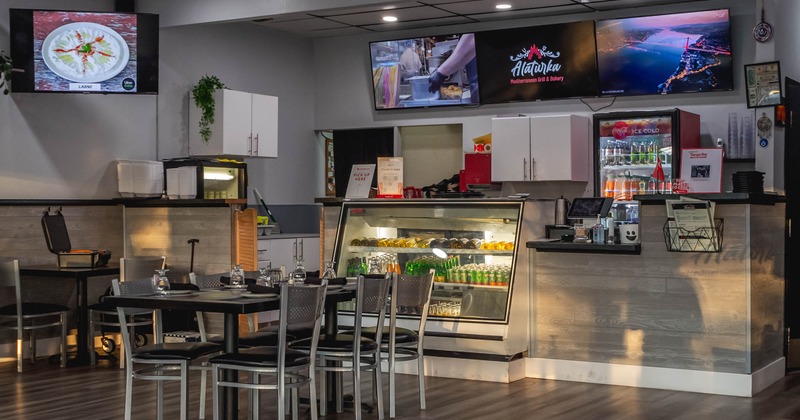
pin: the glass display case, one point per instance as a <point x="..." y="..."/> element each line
<point x="470" y="245"/>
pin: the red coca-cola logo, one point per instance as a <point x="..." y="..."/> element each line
<point x="620" y="130"/>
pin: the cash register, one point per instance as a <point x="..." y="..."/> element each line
<point x="582" y="211"/>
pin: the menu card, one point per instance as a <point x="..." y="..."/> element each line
<point x="390" y="177"/>
<point x="360" y="181"/>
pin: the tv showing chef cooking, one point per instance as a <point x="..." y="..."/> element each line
<point x="424" y="72"/>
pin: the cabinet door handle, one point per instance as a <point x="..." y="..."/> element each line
<point x="250" y="144"/>
<point x="533" y="168"/>
<point x="524" y="169"/>
<point x="256" y="142"/>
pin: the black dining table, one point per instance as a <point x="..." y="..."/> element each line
<point x="81" y="277"/>
<point x="231" y="307"/>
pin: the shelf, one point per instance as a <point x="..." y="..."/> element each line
<point x="439" y="285"/>
<point x="742" y="160"/>
<point x="559" y="246"/>
<point x="454" y="251"/>
<point x="649" y="166"/>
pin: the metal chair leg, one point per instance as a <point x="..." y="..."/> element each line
<point x="377" y="386"/>
<point x="421" y="374"/>
<point x="312" y="391"/>
<point x="33" y="346"/>
<point x="63" y="318"/>
<point x="214" y="391"/>
<point x="323" y="391"/>
<point x="203" y="374"/>
<point x="357" y="389"/>
<point x="160" y="400"/>
<point x="128" y="391"/>
<point x="184" y="390"/>
<point x="392" y="385"/>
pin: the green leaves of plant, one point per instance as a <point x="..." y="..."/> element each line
<point x="203" y="94"/>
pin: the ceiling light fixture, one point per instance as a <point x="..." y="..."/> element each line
<point x="390" y="18"/>
<point x="503" y="6"/>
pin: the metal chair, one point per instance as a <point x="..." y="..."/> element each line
<point x="160" y="359"/>
<point x="24" y="316"/>
<point x="353" y="352"/>
<point x="412" y="294"/>
<point x="105" y="316"/>
<point x="298" y="305"/>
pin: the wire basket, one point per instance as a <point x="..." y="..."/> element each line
<point x="706" y="239"/>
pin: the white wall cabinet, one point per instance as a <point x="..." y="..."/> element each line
<point x="245" y="124"/>
<point x="279" y="251"/>
<point x="551" y="148"/>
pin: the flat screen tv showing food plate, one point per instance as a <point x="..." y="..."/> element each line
<point x="84" y="52"/>
<point x="539" y="62"/>
<point x="422" y="72"/>
<point x="665" y="54"/>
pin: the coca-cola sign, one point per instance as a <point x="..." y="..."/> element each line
<point x="621" y="130"/>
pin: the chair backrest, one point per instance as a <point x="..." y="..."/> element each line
<point x="413" y="292"/>
<point x="131" y="287"/>
<point x="139" y="267"/>
<point x="206" y="281"/>
<point x="372" y="293"/>
<point x="300" y="305"/>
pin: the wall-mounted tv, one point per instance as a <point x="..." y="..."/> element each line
<point x="539" y="62"/>
<point x="86" y="52"/>
<point x="423" y="72"/>
<point x="663" y="54"/>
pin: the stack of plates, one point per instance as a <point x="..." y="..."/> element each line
<point x="748" y="181"/>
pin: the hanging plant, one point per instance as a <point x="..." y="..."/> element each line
<point x="203" y="94"/>
<point x="5" y="72"/>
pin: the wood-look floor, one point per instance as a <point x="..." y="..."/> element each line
<point x="45" y="391"/>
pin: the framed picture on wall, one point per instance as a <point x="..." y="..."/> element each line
<point x="763" y="81"/>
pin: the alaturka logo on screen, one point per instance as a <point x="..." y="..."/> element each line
<point x="535" y="64"/>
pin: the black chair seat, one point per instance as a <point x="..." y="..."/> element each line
<point x="33" y="308"/>
<point x="337" y="343"/>
<point x="262" y="357"/>
<point x="402" y="335"/>
<point x="188" y="351"/>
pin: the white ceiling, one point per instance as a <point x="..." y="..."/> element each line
<point x="430" y="13"/>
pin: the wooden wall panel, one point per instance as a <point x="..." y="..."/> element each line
<point x="22" y="238"/>
<point x="686" y="310"/>
<point x="156" y="231"/>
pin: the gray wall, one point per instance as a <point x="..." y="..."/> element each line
<point x="253" y="59"/>
<point x="63" y="146"/>
<point x="321" y="84"/>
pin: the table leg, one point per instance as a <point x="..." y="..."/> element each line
<point x="230" y="400"/>
<point x="334" y="379"/>
<point x="82" y="357"/>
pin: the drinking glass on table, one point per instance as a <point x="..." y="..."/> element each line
<point x="298" y="276"/>
<point x="237" y="277"/>
<point x="161" y="281"/>
<point x="329" y="273"/>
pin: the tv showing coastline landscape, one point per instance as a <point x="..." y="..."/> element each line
<point x="665" y="54"/>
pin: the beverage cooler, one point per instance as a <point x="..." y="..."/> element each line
<point x="628" y="146"/>
<point x="480" y="299"/>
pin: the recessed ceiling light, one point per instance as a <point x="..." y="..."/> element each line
<point x="390" y="18"/>
<point x="503" y="6"/>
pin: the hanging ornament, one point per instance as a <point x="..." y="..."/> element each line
<point x="764" y="125"/>
<point x="763" y="30"/>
